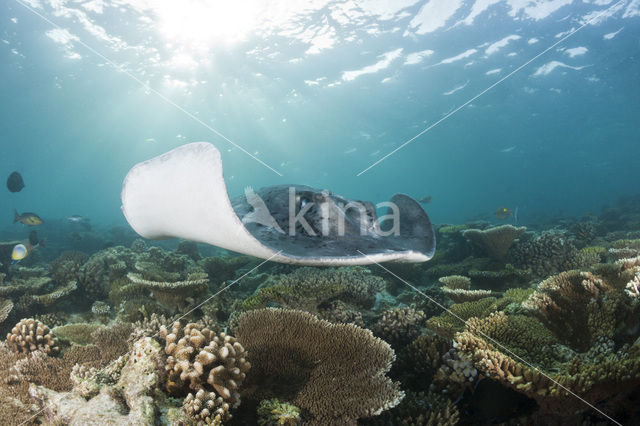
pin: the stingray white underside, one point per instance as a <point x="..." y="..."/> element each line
<point x="182" y="194"/>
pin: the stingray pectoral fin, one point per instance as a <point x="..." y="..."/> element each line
<point x="182" y="194"/>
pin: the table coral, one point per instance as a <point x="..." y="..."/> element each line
<point x="336" y="372"/>
<point x="172" y="294"/>
<point x="30" y="335"/>
<point x="588" y="316"/>
<point x="495" y="242"/>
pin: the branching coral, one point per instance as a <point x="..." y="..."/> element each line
<point x="103" y="268"/>
<point x="198" y="359"/>
<point x="495" y="242"/>
<point x="420" y="409"/>
<point x="272" y="412"/>
<point x="399" y="326"/>
<point x="30" y="335"/>
<point x="570" y="304"/>
<point x="333" y="371"/>
<point x="207" y="408"/>
<point x="448" y="323"/>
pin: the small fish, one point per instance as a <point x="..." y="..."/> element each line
<point x="76" y="218"/>
<point x="27" y="218"/>
<point x="22" y="250"/>
<point x="426" y="199"/>
<point x="15" y="182"/>
<point x="503" y="213"/>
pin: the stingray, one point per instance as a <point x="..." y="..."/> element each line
<point x="182" y="194"/>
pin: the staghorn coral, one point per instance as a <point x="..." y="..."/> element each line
<point x="495" y="242"/>
<point x="30" y="335"/>
<point x="272" y="412"/>
<point x="501" y="279"/>
<point x="399" y="326"/>
<point x="333" y="371"/>
<point x="138" y="245"/>
<point x="456" y="373"/>
<point x="198" y="359"/>
<point x="305" y="297"/>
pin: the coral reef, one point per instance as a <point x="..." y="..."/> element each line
<point x="209" y="364"/>
<point x="495" y="242"/>
<point x="129" y="401"/>
<point x="333" y="371"/>
<point x="172" y="294"/>
<point x="6" y="306"/>
<point x="31" y="335"/>
<point x="272" y="412"/>
<point x="399" y="326"/>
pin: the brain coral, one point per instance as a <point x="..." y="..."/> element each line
<point x="333" y="371"/>
<point x="31" y="335"/>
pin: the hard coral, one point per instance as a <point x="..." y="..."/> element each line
<point x="129" y="401"/>
<point x="30" y="335"/>
<point x="333" y="371"/>
<point x="400" y="326"/>
<point x="495" y="242"/>
<point x="207" y="408"/>
<point x="199" y="359"/>
<point x="272" y="412"/>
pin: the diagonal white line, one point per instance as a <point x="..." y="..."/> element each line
<point x="484" y="335"/>
<point x="150" y="89"/>
<point x="489" y="88"/>
<point x="193" y="309"/>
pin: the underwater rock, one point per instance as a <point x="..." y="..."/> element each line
<point x="130" y="401"/>
<point x="336" y="372"/>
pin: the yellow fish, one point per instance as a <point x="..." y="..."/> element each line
<point x="503" y="213"/>
<point x="27" y="218"/>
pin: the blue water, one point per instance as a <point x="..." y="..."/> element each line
<point x="320" y="94"/>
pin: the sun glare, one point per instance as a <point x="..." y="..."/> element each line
<point x="199" y="24"/>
